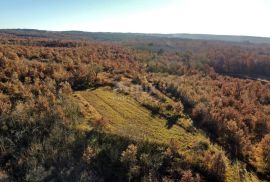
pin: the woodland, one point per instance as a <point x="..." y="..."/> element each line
<point x="56" y="123"/>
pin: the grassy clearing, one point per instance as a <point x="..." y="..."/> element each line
<point x="128" y="118"/>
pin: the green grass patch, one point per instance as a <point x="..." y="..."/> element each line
<point x="128" y="118"/>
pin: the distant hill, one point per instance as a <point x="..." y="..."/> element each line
<point x="229" y="38"/>
<point x="107" y="36"/>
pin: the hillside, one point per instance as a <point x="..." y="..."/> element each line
<point x="153" y="109"/>
<point x="119" y="37"/>
<point x="227" y="38"/>
<point x="127" y="118"/>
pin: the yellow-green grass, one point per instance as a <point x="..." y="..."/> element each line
<point x="129" y="119"/>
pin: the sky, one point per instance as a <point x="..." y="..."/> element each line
<point x="225" y="17"/>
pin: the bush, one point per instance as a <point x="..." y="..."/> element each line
<point x="187" y="176"/>
<point x="265" y="144"/>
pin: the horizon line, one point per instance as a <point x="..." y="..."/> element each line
<point x="145" y="33"/>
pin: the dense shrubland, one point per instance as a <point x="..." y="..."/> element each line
<point x="235" y="59"/>
<point x="234" y="112"/>
<point x="38" y="140"/>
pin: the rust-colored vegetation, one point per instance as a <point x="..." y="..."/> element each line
<point x="55" y="120"/>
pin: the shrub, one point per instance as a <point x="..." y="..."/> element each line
<point x="187" y="176"/>
<point x="265" y="144"/>
<point x="88" y="154"/>
<point x="100" y="124"/>
<point x="129" y="156"/>
<point x="218" y="166"/>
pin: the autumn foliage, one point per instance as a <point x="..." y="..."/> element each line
<point x="219" y="85"/>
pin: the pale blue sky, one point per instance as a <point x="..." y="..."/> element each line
<point x="231" y="17"/>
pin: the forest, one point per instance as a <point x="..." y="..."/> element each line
<point x="132" y="108"/>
